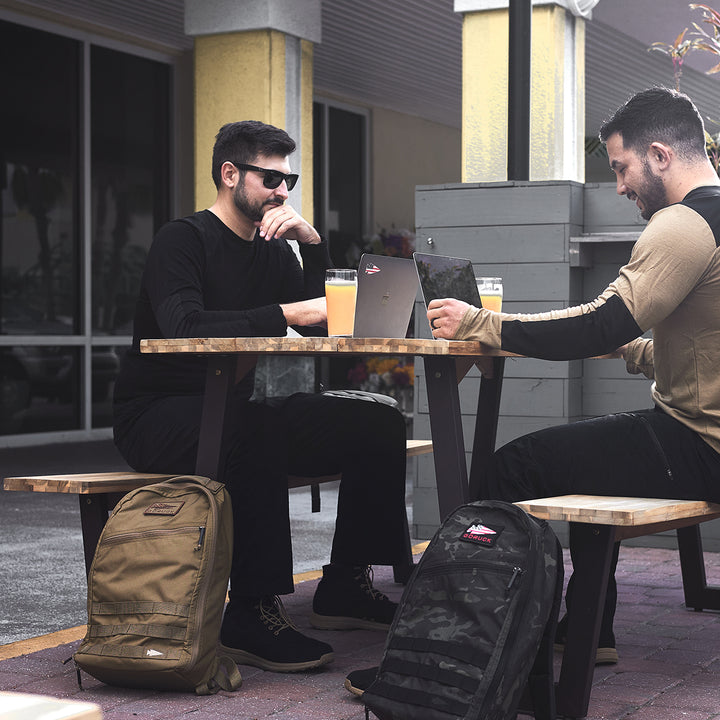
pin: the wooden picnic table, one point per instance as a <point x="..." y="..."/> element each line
<point x="446" y="363"/>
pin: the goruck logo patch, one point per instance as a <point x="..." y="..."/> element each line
<point x="164" y="508"/>
<point x="482" y="534"/>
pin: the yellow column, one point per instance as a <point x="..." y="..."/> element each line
<point x="557" y="94"/>
<point x="253" y="61"/>
<point x="557" y="117"/>
<point x="485" y="90"/>
<point x="238" y="76"/>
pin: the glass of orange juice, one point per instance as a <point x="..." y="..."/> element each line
<point x="340" y="293"/>
<point x="491" y="292"/>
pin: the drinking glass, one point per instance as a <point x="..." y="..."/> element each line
<point x="491" y="292"/>
<point x="340" y="293"/>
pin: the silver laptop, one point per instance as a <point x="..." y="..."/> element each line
<point x="386" y="292"/>
<point x="441" y="276"/>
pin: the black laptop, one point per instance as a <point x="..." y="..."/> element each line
<point x="441" y="276"/>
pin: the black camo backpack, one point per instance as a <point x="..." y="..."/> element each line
<point x="473" y="633"/>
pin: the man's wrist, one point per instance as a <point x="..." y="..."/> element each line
<point x="312" y="238"/>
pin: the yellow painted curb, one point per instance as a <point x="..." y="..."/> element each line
<point x="43" y="642"/>
<point x="61" y="637"/>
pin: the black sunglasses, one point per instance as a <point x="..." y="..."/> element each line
<point x="271" y="178"/>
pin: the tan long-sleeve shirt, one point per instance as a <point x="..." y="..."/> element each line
<point x="671" y="285"/>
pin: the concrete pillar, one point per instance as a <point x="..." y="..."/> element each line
<point x="557" y="93"/>
<point x="253" y="61"/>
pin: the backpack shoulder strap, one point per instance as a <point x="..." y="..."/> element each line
<point x="226" y="677"/>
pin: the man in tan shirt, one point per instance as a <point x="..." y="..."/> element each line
<point x="671" y="287"/>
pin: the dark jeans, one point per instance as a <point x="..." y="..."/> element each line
<point x="641" y="454"/>
<point x="308" y="435"/>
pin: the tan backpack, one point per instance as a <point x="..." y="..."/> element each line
<point x="157" y="588"/>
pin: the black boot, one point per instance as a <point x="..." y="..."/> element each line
<point x="256" y="631"/>
<point x="345" y="599"/>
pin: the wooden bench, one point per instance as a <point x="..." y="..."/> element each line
<point x="601" y="522"/>
<point x="98" y="493"/>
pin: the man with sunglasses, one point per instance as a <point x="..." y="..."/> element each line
<point x="229" y="271"/>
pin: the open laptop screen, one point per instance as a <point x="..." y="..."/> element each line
<point x="446" y="277"/>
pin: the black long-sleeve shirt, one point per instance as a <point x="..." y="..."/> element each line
<point x="203" y="280"/>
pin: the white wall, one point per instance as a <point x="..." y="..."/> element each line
<point x="407" y="151"/>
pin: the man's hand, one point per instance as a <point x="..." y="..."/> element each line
<point x="619" y="353"/>
<point x="306" y="312"/>
<point x="445" y="316"/>
<point x="283" y="221"/>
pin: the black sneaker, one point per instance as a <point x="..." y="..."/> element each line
<point x="606" y="653"/>
<point x="258" y="632"/>
<point x="345" y="599"/>
<point x="358" y="681"/>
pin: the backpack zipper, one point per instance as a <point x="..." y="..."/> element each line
<point x="201" y="538"/>
<point x="209" y="560"/>
<point x="517" y="571"/>
<point x="207" y="575"/>
<point x="514" y="571"/>
<point x="142" y="534"/>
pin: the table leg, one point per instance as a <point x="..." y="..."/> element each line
<point x="584" y="618"/>
<point x="698" y="594"/>
<point x="447" y="433"/>
<point x="486" y="423"/>
<point x="220" y="375"/>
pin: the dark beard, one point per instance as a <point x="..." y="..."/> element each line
<point x="251" y="212"/>
<point x="654" y="194"/>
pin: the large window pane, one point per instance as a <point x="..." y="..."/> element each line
<point x="39" y="228"/>
<point x="39" y="388"/>
<point x="345" y="182"/>
<point x="43" y="239"/>
<point x="105" y="366"/>
<point x="130" y="198"/>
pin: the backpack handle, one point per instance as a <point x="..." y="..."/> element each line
<point x="212" y="485"/>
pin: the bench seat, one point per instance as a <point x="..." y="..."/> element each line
<point x="99" y="493"/>
<point x="599" y="522"/>
<point x="631" y="516"/>
<point x="124" y="482"/>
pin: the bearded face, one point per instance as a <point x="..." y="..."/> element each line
<point x="651" y="193"/>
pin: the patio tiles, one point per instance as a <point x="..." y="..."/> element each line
<point x="669" y="662"/>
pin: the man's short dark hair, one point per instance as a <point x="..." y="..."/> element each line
<point x="659" y="115"/>
<point x="242" y="142"/>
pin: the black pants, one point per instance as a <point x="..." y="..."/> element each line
<point x="308" y="435"/>
<point x="641" y="454"/>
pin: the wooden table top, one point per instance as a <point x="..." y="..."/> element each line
<point x="321" y="345"/>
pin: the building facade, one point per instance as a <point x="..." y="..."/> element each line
<point x="110" y="109"/>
